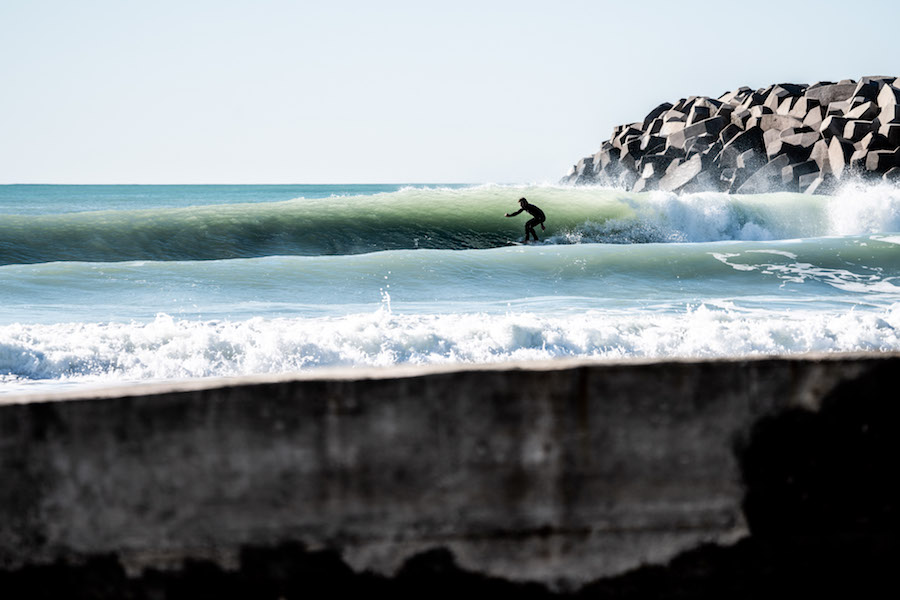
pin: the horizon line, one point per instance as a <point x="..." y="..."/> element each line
<point x="294" y="183"/>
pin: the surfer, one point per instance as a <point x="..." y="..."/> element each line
<point x="535" y="212"/>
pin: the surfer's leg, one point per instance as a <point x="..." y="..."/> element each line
<point x="529" y="228"/>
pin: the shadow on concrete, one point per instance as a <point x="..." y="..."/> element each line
<point x="821" y="502"/>
<point x="287" y="571"/>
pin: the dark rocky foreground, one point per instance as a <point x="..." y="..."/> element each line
<point x="818" y="497"/>
<point x="785" y="137"/>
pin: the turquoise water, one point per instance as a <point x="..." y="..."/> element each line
<point x="111" y="284"/>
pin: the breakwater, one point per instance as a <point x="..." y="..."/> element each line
<point x="784" y="137"/>
<point x="560" y="473"/>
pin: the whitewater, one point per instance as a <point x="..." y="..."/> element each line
<point x="104" y="285"/>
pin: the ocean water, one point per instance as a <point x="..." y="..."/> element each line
<point x="105" y="285"/>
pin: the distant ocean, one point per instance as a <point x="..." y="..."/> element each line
<point x="106" y="285"/>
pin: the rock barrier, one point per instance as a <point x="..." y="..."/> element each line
<point x="785" y="137"/>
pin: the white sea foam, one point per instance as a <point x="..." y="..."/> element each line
<point x="856" y="209"/>
<point x="889" y="239"/>
<point x="703" y="217"/>
<point x="168" y="348"/>
<point x="776" y="252"/>
<point x="866" y="282"/>
<point x="861" y="209"/>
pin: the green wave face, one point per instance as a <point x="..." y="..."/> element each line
<point x="456" y="219"/>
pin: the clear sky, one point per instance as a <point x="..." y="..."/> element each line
<point x="268" y="91"/>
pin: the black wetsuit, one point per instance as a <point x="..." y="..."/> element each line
<point x="539" y="218"/>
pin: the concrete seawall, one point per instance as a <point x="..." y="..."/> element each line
<point x="561" y="472"/>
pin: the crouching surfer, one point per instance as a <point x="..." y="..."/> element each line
<point x="535" y="212"/>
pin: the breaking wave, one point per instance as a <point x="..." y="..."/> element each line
<point x="440" y="218"/>
<point x="168" y="348"/>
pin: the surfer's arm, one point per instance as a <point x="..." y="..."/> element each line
<point x="515" y="213"/>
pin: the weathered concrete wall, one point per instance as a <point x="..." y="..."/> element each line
<point x="565" y="471"/>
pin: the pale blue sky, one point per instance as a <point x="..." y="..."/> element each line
<point x="389" y="91"/>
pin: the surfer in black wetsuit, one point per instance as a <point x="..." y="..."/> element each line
<point x="535" y="212"/>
